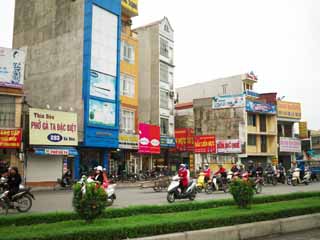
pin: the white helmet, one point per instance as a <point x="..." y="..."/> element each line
<point x="99" y="168"/>
<point x="182" y="165"/>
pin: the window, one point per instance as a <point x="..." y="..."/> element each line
<point x="127" y="86"/>
<point x="166" y="28"/>
<point x="7" y="111"/>
<point x="224" y="89"/>
<point x="127" y="52"/>
<point x="252" y="120"/>
<point x="164" y="126"/>
<point x="164" y="72"/>
<point x="164" y="48"/>
<point x="252" y="140"/>
<point x="164" y="99"/>
<point x="127" y="121"/>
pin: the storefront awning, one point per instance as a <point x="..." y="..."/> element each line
<point x="61" y="151"/>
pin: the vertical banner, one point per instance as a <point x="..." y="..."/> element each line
<point x="303" y="130"/>
<point x="205" y="144"/>
<point x="184" y="139"/>
<point x="149" y="139"/>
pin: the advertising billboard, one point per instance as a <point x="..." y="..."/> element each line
<point x="259" y="107"/>
<point x="290" y="145"/>
<point x="102" y="113"/>
<point x="149" y="138"/>
<point x="10" y="137"/>
<point x="168" y="142"/>
<point x="184" y="139"/>
<point x="52" y="128"/>
<point x="102" y="85"/>
<point x="303" y="130"/>
<point x="231" y="101"/>
<point x="128" y="141"/>
<point x="205" y="144"/>
<point x="289" y="110"/>
<point x="12" y="67"/>
<point x="229" y="146"/>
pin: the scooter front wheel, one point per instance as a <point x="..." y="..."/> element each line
<point x="171" y="197"/>
<point x="294" y="182"/>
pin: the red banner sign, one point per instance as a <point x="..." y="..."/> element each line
<point x="184" y="139"/>
<point x="149" y="139"/>
<point x="205" y="144"/>
<point x="10" y="138"/>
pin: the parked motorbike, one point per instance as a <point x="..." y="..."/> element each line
<point x="296" y="177"/>
<point x="174" y="191"/>
<point x="22" y="201"/>
<point x="217" y="183"/>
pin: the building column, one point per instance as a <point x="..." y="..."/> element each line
<point x="76" y="167"/>
<point x="105" y="162"/>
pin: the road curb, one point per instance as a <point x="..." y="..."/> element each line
<point x="247" y="231"/>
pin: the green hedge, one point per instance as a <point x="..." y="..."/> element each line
<point x="155" y="224"/>
<point x="29" y="219"/>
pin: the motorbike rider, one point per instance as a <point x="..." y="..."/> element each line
<point x="251" y="169"/>
<point x="105" y="179"/>
<point x="207" y="173"/>
<point x="281" y="169"/>
<point x="234" y="168"/>
<point x="269" y="169"/>
<point x="222" y="172"/>
<point x="183" y="174"/>
<point x="99" y="174"/>
<point x="66" y="178"/>
<point x="259" y="170"/>
<point x="14" y="181"/>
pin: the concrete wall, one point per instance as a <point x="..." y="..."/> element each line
<point x="234" y="85"/>
<point x="53" y="33"/>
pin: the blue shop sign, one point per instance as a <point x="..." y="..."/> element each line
<point x="252" y="94"/>
<point x="259" y="107"/>
<point x="61" y="151"/>
<point x="169" y="142"/>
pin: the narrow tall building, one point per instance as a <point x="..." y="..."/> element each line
<point x="156" y="77"/>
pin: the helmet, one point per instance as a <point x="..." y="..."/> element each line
<point x="206" y="165"/>
<point x="250" y="162"/>
<point x="99" y="168"/>
<point x="182" y="165"/>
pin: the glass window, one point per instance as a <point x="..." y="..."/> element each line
<point x="127" y="87"/>
<point x="252" y="120"/>
<point x="164" y="72"/>
<point x="127" y="121"/>
<point x="252" y="140"/>
<point x="164" y="48"/>
<point x="7" y="111"/>
<point x="164" y="99"/>
<point x="127" y="52"/>
<point x="164" y="126"/>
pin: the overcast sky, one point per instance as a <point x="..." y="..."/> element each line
<point x="277" y="39"/>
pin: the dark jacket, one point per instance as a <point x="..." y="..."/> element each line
<point x="99" y="178"/>
<point x="13" y="182"/>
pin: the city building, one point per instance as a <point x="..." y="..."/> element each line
<point x="72" y="66"/>
<point x="11" y="108"/>
<point x="156" y="76"/>
<point x="127" y="158"/>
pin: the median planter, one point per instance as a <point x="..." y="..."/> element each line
<point x="242" y="193"/>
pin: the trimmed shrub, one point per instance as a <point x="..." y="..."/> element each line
<point x="242" y="192"/>
<point x="89" y="200"/>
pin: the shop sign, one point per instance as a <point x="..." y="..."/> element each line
<point x="252" y="94"/>
<point x="229" y="146"/>
<point x="128" y="141"/>
<point x="184" y="139"/>
<point x="130" y="7"/>
<point x="205" y="144"/>
<point x="10" y="138"/>
<point x="12" y="67"/>
<point x="303" y="130"/>
<point x="168" y="142"/>
<point x="102" y="85"/>
<point x="290" y="145"/>
<point x="259" y="107"/>
<point x="149" y="139"/>
<point x="52" y="128"/>
<point x="63" y="151"/>
<point x="102" y="113"/>
<point x="56" y="152"/>
<point x="231" y="101"/>
<point x="289" y="110"/>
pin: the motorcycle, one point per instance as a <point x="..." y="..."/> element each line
<point x="257" y="182"/>
<point x="281" y="176"/>
<point x="270" y="178"/>
<point x="296" y="177"/>
<point x="217" y="185"/>
<point x="21" y="201"/>
<point x="174" y="191"/>
<point x="201" y="184"/>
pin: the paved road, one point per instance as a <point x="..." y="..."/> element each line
<point x="308" y="235"/>
<point x="62" y="200"/>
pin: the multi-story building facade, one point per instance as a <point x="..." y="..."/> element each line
<point x="73" y="65"/>
<point x="127" y="158"/>
<point x="156" y="74"/>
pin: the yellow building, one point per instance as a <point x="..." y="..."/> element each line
<point x="126" y="156"/>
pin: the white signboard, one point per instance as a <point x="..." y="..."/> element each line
<point x="231" y="101"/>
<point x="229" y="146"/>
<point x="11" y="67"/>
<point x="290" y="145"/>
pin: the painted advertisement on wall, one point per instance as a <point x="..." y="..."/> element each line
<point x="184" y="139"/>
<point x="102" y="113"/>
<point x="259" y="107"/>
<point x="290" y="145"/>
<point x="52" y="128"/>
<point x="102" y="85"/>
<point x="303" y="130"/>
<point x="205" y="144"/>
<point x="229" y="146"/>
<point x="10" y="137"/>
<point x="231" y="101"/>
<point x="289" y="110"/>
<point x="149" y="139"/>
<point x="12" y="67"/>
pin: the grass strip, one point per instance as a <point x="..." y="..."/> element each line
<point x="154" y="224"/>
<point x="38" y="218"/>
